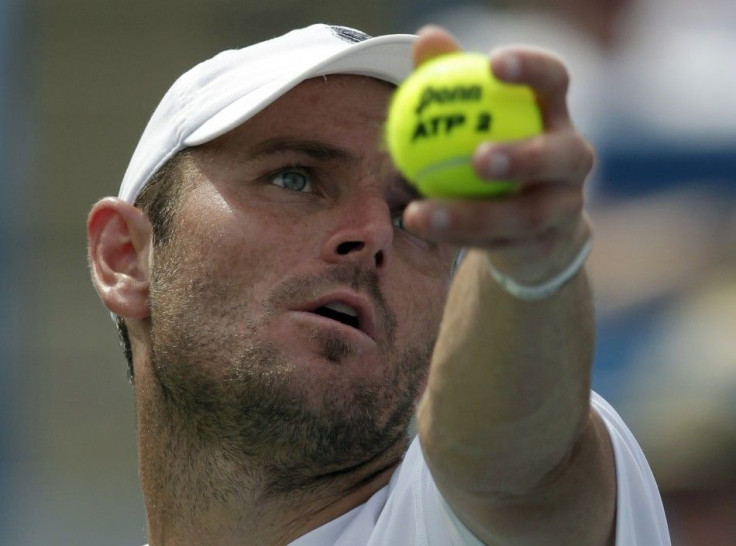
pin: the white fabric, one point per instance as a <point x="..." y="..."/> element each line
<point x="640" y="518"/>
<point x="410" y="511"/>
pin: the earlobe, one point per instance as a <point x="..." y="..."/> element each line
<point x="119" y="238"/>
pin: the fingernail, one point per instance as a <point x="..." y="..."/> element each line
<point x="511" y="67"/>
<point x="497" y="166"/>
<point x="439" y="219"/>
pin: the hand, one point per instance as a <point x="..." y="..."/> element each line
<point x="533" y="234"/>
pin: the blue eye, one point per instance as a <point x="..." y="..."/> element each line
<point x="398" y="221"/>
<point x="292" y="180"/>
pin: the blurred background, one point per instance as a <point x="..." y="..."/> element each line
<point x="654" y="88"/>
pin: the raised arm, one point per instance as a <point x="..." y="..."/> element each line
<point x="506" y="424"/>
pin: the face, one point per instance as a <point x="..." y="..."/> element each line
<point x="291" y="315"/>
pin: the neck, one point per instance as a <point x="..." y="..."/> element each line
<point x="198" y="491"/>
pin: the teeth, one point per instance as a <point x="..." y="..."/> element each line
<point x="342" y="308"/>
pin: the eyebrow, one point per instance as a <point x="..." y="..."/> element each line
<point x="312" y="148"/>
<point x="321" y="151"/>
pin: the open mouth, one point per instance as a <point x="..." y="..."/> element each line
<point x="340" y="312"/>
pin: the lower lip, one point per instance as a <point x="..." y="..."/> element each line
<point x="313" y="320"/>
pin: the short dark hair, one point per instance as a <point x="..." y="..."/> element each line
<point x="159" y="199"/>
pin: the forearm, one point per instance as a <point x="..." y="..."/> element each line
<point x="508" y="391"/>
<point x="505" y="422"/>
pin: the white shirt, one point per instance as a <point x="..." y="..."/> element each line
<point x="410" y="511"/>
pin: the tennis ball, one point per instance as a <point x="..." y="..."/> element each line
<point x="443" y="111"/>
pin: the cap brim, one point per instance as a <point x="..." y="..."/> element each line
<point x="386" y="58"/>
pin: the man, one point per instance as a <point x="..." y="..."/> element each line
<point x="282" y="290"/>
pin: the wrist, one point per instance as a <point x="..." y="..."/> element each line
<point x="533" y="272"/>
<point x="547" y="288"/>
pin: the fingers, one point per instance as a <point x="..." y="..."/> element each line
<point x="544" y="73"/>
<point x="550" y="170"/>
<point x="537" y="213"/>
<point x="560" y="157"/>
<point x="535" y="230"/>
<point x="432" y="41"/>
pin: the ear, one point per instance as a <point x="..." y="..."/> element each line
<point x="119" y="237"/>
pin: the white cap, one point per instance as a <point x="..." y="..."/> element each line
<point x="219" y="94"/>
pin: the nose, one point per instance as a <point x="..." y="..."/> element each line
<point x="362" y="232"/>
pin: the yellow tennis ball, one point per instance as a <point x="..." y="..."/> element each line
<point x="443" y="111"/>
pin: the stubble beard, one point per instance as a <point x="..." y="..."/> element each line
<point x="232" y="397"/>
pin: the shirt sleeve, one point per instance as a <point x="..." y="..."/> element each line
<point x="640" y="518"/>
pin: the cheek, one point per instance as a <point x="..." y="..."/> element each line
<point x="419" y="306"/>
<point x="424" y="286"/>
<point x="239" y="247"/>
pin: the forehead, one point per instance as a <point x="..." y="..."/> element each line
<point x="362" y="94"/>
